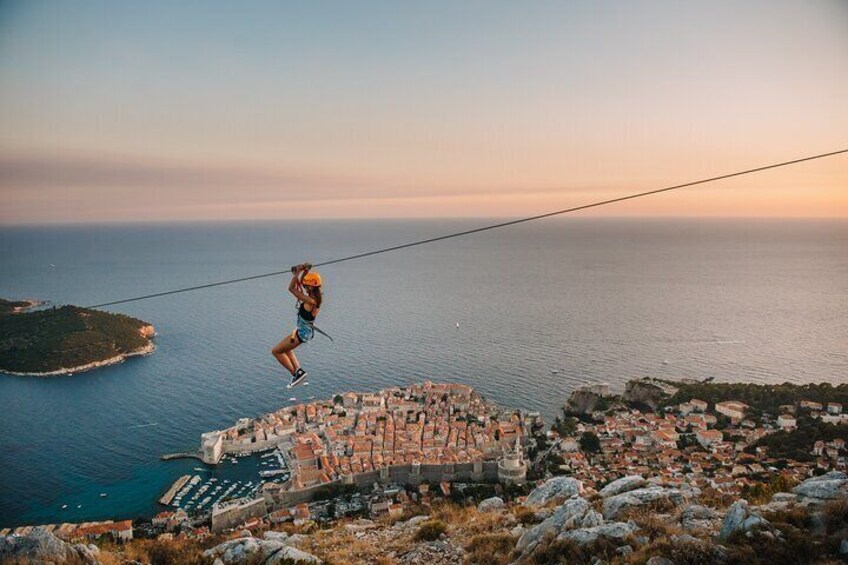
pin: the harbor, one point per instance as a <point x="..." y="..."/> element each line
<point x="171" y="492"/>
<point x="198" y="492"/>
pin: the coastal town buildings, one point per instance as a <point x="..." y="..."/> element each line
<point x="680" y="445"/>
<point x="432" y="432"/>
<point x="786" y="422"/>
<point x="733" y="409"/>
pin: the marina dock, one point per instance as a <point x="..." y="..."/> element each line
<point x="169" y="494"/>
<point x="183" y="455"/>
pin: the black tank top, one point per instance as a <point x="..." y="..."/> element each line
<point x="305" y="314"/>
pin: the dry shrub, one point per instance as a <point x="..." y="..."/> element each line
<point x="450" y="513"/>
<point x="467" y="520"/>
<point x="798" y="547"/>
<point x="524" y="515"/>
<point x="431" y="530"/>
<point x="679" y="553"/>
<point x="567" y="552"/>
<point x="339" y="547"/>
<point x="650" y="523"/>
<point x="489" y="549"/>
<point x="157" y="552"/>
<point x="796" y="516"/>
<point x="835" y="515"/>
<point x="715" y="498"/>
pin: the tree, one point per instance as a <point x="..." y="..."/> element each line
<point x="590" y="443"/>
<point x="338" y="399"/>
<point x="565" y="426"/>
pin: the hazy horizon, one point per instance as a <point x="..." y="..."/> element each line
<point x="211" y="111"/>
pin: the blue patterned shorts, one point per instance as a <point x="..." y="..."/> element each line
<point x="304" y="330"/>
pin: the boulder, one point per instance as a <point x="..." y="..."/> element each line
<point x="754" y="521"/>
<point x="843" y="547"/>
<point x="624" y="484"/>
<point x="236" y="554"/>
<point x="220" y="549"/>
<point x="697" y="517"/>
<point x="270" y="547"/>
<point x="734" y="519"/>
<point x="42" y="547"/>
<point x="614" y="531"/>
<point x="275" y="547"/>
<point x="826" y="487"/>
<point x="296" y="539"/>
<point x="685" y="538"/>
<point x="293" y="554"/>
<point x="698" y="512"/>
<point x="784" y="497"/>
<point x="591" y="519"/>
<point x="557" y="488"/>
<point x="490" y="504"/>
<point x="615" y="505"/>
<point x="416" y="520"/>
<point x="570" y="512"/>
<point x="624" y="550"/>
<point x="657" y="560"/>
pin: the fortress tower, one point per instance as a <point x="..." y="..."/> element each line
<point x="512" y="469"/>
<point x="211" y="447"/>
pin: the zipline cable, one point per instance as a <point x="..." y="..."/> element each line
<point x="482" y="229"/>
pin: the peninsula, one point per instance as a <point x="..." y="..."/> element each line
<point x="67" y="339"/>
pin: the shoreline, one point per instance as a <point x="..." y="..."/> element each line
<point x="30" y="304"/>
<point x="141" y="351"/>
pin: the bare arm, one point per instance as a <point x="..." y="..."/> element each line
<point x="295" y="286"/>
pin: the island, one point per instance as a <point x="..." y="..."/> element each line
<point x="68" y="339"/>
<point x="17" y="306"/>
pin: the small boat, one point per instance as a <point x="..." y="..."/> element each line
<point x="103" y="495"/>
<point x="292" y="399"/>
<point x="64" y="506"/>
<point x="554" y="371"/>
<point x="79" y="505"/>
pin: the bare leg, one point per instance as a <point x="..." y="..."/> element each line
<point x="293" y="358"/>
<point x="280" y="352"/>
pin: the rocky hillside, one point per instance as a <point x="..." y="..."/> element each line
<point x="630" y="521"/>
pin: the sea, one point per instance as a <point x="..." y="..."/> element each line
<point x="524" y="314"/>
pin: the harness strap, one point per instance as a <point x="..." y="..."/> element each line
<point x="319" y="330"/>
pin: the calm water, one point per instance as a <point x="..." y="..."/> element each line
<point x="597" y="300"/>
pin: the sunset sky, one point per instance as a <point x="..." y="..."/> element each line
<point x="160" y="111"/>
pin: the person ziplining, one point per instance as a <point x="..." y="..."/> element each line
<point x="305" y="285"/>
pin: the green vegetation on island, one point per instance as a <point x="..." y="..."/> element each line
<point x="760" y="398"/>
<point x="67" y="339"/>
<point x="15" y="306"/>
<point x="796" y="444"/>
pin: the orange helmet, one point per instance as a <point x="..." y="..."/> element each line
<point x="312" y="279"/>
